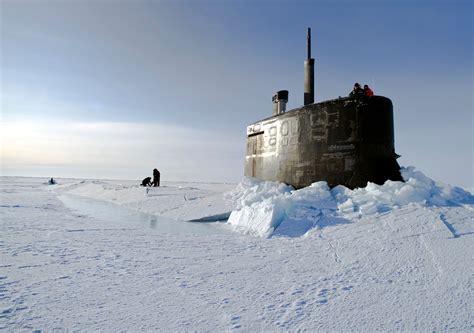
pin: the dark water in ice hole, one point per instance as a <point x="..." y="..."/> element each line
<point x="106" y="211"/>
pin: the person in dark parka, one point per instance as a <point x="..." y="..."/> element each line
<point x="146" y="182"/>
<point x="357" y="91"/>
<point x="156" y="178"/>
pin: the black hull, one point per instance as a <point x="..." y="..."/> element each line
<point x="345" y="141"/>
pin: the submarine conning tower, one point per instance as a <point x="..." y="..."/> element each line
<point x="345" y="141"/>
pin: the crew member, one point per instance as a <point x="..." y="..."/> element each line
<point x="146" y="181"/>
<point x="367" y="91"/>
<point x="156" y="178"/>
<point x="357" y="91"/>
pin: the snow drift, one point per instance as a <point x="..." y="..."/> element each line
<point x="362" y="264"/>
<point x="267" y="208"/>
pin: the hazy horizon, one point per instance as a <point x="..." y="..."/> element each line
<point x="104" y="90"/>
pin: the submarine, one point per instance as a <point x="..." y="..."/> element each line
<point x="344" y="141"/>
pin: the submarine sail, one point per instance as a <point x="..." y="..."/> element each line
<point x="346" y="141"/>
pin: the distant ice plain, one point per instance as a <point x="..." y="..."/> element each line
<point x="404" y="268"/>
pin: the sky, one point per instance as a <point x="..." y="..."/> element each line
<point x="114" y="89"/>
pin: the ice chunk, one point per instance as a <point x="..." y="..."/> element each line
<point x="263" y="206"/>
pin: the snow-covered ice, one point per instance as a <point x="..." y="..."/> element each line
<point x="105" y="255"/>
<point x="268" y="208"/>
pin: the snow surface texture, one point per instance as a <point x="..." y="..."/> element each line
<point x="180" y="201"/>
<point x="392" y="257"/>
<point x="268" y="208"/>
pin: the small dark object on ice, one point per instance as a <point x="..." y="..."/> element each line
<point x="51" y="182"/>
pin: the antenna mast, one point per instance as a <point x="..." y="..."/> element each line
<point x="308" y="73"/>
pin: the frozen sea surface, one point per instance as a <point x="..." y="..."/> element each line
<point x="105" y="211"/>
<point x="371" y="268"/>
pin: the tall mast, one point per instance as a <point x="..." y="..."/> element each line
<point x="308" y="73"/>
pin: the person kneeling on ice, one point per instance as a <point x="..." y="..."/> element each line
<point x="146" y="182"/>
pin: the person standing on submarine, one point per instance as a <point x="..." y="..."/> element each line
<point x="156" y="178"/>
<point x="367" y="91"/>
<point x="357" y="91"/>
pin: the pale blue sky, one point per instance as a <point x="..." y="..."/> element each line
<point x="115" y="88"/>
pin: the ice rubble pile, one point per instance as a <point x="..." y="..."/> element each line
<point x="264" y="206"/>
